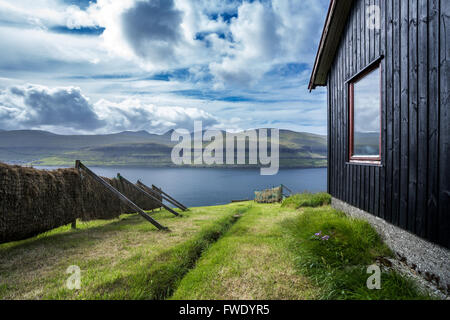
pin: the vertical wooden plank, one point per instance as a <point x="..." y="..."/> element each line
<point x="360" y="188"/>
<point x="334" y="132"/>
<point x="372" y="189"/>
<point x="347" y="55"/>
<point x="335" y="138"/>
<point x="328" y="134"/>
<point x="331" y="138"/>
<point x="396" y="119"/>
<point x="444" y="128"/>
<point x="433" y="120"/>
<point x="413" y="132"/>
<point x="343" y="60"/>
<point x="367" y="34"/>
<point x="376" y="204"/>
<point x="404" y="112"/>
<point x="358" y="34"/>
<point x="422" y="161"/>
<point x="363" y="188"/>
<point x="355" y="185"/>
<point x="339" y="127"/>
<point x="377" y="32"/>
<point x="389" y="109"/>
<point x="383" y="49"/>
<point x="343" y="125"/>
<point x="361" y="33"/>
<point x="339" y="112"/>
<point x="331" y="155"/>
<point x="372" y="37"/>
<point x="350" y="183"/>
<point x="345" y="105"/>
<point x="351" y="44"/>
<point x="367" y="194"/>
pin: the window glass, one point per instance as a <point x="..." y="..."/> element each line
<point x="366" y="115"/>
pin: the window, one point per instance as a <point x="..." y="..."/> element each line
<point x="365" y="116"/>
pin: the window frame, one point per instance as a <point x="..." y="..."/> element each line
<point x="350" y="90"/>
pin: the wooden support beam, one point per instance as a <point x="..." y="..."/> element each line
<point x="132" y="205"/>
<point x="152" y="197"/>
<point x="165" y="197"/>
<point x="284" y="187"/>
<point x="169" y="198"/>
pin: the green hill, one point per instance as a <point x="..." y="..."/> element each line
<point x="139" y="148"/>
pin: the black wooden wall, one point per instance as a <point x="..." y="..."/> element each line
<point x="411" y="188"/>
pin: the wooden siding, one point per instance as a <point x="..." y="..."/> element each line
<point x="411" y="188"/>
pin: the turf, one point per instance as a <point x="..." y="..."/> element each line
<point x="335" y="251"/>
<point x="307" y="200"/>
<point x="121" y="259"/>
<point x="237" y="251"/>
<point x="251" y="261"/>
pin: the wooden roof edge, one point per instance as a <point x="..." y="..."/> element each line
<point x="334" y="24"/>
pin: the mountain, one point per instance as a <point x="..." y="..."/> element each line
<point x="135" y="148"/>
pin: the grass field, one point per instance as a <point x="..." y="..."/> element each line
<point x="118" y="259"/>
<point x="237" y="251"/>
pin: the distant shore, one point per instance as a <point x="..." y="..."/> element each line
<point x="66" y="165"/>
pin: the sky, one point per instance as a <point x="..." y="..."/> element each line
<point x="105" y="66"/>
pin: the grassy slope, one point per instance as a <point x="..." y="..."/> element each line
<point x="115" y="256"/>
<point x="249" y="262"/>
<point x="269" y="253"/>
<point x="339" y="265"/>
<point x="273" y="253"/>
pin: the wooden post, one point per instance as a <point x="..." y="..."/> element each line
<point x="74" y="224"/>
<point x="124" y="199"/>
<point x="158" y="193"/>
<point x="169" y="198"/>
<point x="149" y="195"/>
<point x="283" y="186"/>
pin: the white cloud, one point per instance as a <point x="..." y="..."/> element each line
<point x="255" y="32"/>
<point x="162" y="34"/>
<point x="132" y="114"/>
<point x="223" y="56"/>
<point x="33" y="106"/>
<point x="66" y="109"/>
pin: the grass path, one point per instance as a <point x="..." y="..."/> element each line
<point x="236" y="251"/>
<point x="107" y="252"/>
<point x="251" y="261"/>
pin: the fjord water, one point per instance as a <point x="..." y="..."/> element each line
<point x="196" y="187"/>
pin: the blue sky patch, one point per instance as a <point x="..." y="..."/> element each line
<point x="78" y="31"/>
<point x="83" y="4"/>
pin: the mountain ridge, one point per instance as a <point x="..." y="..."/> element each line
<point x="135" y="148"/>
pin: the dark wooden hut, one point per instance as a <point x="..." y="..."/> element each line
<point x="385" y="65"/>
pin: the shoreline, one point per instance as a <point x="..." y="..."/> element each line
<point x="163" y="167"/>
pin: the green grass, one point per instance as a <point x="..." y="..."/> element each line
<point x="251" y="261"/>
<point x="237" y="251"/>
<point x="158" y="278"/>
<point x="122" y="259"/>
<point x="307" y="200"/>
<point x="339" y="265"/>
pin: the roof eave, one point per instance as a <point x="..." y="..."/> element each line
<point x="335" y="22"/>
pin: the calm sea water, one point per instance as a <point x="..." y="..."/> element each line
<point x="206" y="187"/>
